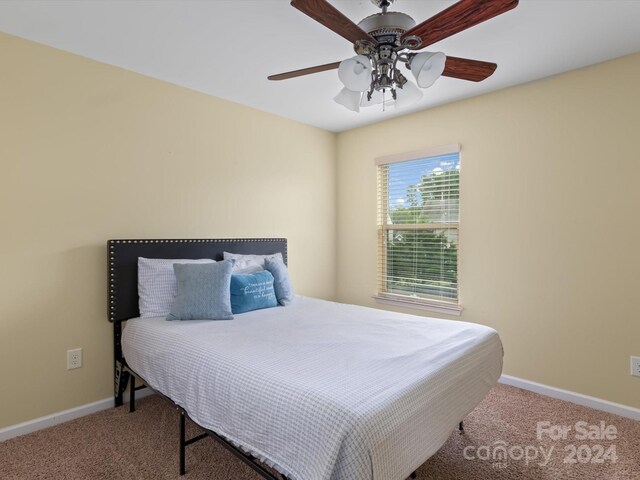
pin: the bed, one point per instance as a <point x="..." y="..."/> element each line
<point x="316" y="390"/>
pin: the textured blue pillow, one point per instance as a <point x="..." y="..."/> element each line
<point x="252" y="292"/>
<point x="281" y="280"/>
<point x="203" y="291"/>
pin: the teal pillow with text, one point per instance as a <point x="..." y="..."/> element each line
<point x="252" y="292"/>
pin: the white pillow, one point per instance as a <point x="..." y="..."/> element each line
<point x="245" y="267"/>
<point x="249" y="263"/>
<point x="157" y="286"/>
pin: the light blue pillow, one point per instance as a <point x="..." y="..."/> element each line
<point x="281" y="280"/>
<point x="252" y="292"/>
<point x="203" y="291"/>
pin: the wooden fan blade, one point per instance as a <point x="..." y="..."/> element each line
<point x="466" y="69"/>
<point x="458" y="17"/>
<point x="304" y="71"/>
<point x="326" y="14"/>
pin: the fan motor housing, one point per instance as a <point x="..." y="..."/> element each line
<point x="382" y="3"/>
<point x="389" y="23"/>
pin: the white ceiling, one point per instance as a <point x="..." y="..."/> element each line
<point x="227" y="48"/>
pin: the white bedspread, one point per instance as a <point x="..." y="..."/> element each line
<point x="322" y="390"/>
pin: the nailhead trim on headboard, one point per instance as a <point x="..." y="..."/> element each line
<point x="112" y="245"/>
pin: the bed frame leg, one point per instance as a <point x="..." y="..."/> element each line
<point x="121" y="376"/>
<point x="183" y="444"/>
<point x="121" y="380"/>
<point x="461" y="428"/>
<point x="118" y="401"/>
<point x="132" y="394"/>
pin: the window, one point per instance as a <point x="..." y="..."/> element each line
<point x="418" y="221"/>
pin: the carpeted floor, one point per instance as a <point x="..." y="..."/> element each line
<point x="114" y="444"/>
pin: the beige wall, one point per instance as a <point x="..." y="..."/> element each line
<point x="550" y="221"/>
<point x="90" y="152"/>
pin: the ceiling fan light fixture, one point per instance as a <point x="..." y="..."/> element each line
<point x="378" y="97"/>
<point x="427" y="67"/>
<point x="407" y="95"/>
<point x="349" y="99"/>
<point x="385" y="40"/>
<point x="355" y="73"/>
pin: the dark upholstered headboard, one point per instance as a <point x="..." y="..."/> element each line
<point x="123" y="263"/>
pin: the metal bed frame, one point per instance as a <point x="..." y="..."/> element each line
<point x="123" y="304"/>
<point x="127" y="376"/>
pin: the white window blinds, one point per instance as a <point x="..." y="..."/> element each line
<point x="418" y="221"/>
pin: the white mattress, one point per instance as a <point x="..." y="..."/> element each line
<point x="322" y="390"/>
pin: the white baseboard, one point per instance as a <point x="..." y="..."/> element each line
<point x="61" y="417"/>
<point x="573" y="397"/>
<point x="553" y="392"/>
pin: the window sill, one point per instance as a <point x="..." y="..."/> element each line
<point x="436" y="307"/>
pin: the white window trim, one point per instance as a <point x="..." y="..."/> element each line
<point x="447" y="308"/>
<point x="454" y="309"/>
<point x="418" y="154"/>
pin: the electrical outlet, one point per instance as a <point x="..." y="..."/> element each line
<point x="635" y="366"/>
<point x="74" y="358"/>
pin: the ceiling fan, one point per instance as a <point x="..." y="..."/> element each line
<point x="385" y="40"/>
